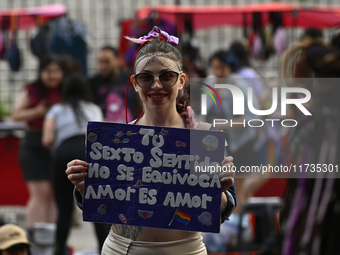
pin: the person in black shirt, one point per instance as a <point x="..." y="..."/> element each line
<point x="111" y="78"/>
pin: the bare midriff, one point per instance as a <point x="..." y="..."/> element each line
<point x="146" y="234"/>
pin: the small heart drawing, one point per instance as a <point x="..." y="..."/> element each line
<point x="145" y="214"/>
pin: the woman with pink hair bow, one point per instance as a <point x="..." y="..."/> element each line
<point x="158" y="79"/>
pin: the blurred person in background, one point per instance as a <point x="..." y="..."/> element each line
<point x="313" y="34"/>
<point x="268" y="138"/>
<point x="64" y="131"/>
<point x="298" y="66"/>
<point x="194" y="67"/>
<point x="13" y="241"/>
<point x="246" y="71"/>
<point x="31" y="106"/>
<point x="309" y="221"/>
<point x="240" y="139"/>
<point x="70" y="64"/>
<point x="109" y="86"/>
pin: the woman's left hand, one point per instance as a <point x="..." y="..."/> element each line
<point x="227" y="177"/>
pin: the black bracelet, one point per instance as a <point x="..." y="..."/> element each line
<point x="230" y="207"/>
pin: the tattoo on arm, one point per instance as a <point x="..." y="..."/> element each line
<point x="131" y="232"/>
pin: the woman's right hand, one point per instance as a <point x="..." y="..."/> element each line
<point x="76" y="172"/>
<point x="22" y="110"/>
<point x="42" y="108"/>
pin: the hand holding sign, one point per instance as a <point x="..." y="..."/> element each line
<point x="227" y="177"/>
<point x="76" y="173"/>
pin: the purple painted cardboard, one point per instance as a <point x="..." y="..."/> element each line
<point x="122" y="183"/>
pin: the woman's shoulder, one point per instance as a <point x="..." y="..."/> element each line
<point x="56" y="110"/>
<point x="248" y="72"/>
<point x="59" y="107"/>
<point x="92" y="109"/>
<point x="89" y="104"/>
<point x="238" y="80"/>
<point x="33" y="86"/>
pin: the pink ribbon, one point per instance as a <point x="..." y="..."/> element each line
<point x="156" y="32"/>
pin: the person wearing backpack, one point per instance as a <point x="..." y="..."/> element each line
<point x="108" y="86"/>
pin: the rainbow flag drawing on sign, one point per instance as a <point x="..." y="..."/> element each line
<point x="181" y="217"/>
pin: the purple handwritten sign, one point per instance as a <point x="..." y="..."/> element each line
<point x="145" y="176"/>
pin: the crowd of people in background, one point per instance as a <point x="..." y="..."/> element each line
<point x="310" y="217"/>
<point x="56" y="108"/>
<point x="60" y="102"/>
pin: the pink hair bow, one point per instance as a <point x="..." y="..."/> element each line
<point x="156" y="32"/>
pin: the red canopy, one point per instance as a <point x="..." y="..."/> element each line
<point x="207" y="16"/>
<point x="29" y="17"/>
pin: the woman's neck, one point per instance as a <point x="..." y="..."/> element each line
<point x="164" y="119"/>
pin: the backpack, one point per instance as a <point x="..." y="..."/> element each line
<point x="115" y="108"/>
<point x="13" y="57"/>
<point x="39" y="43"/>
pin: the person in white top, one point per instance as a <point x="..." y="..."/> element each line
<point x="64" y="131"/>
